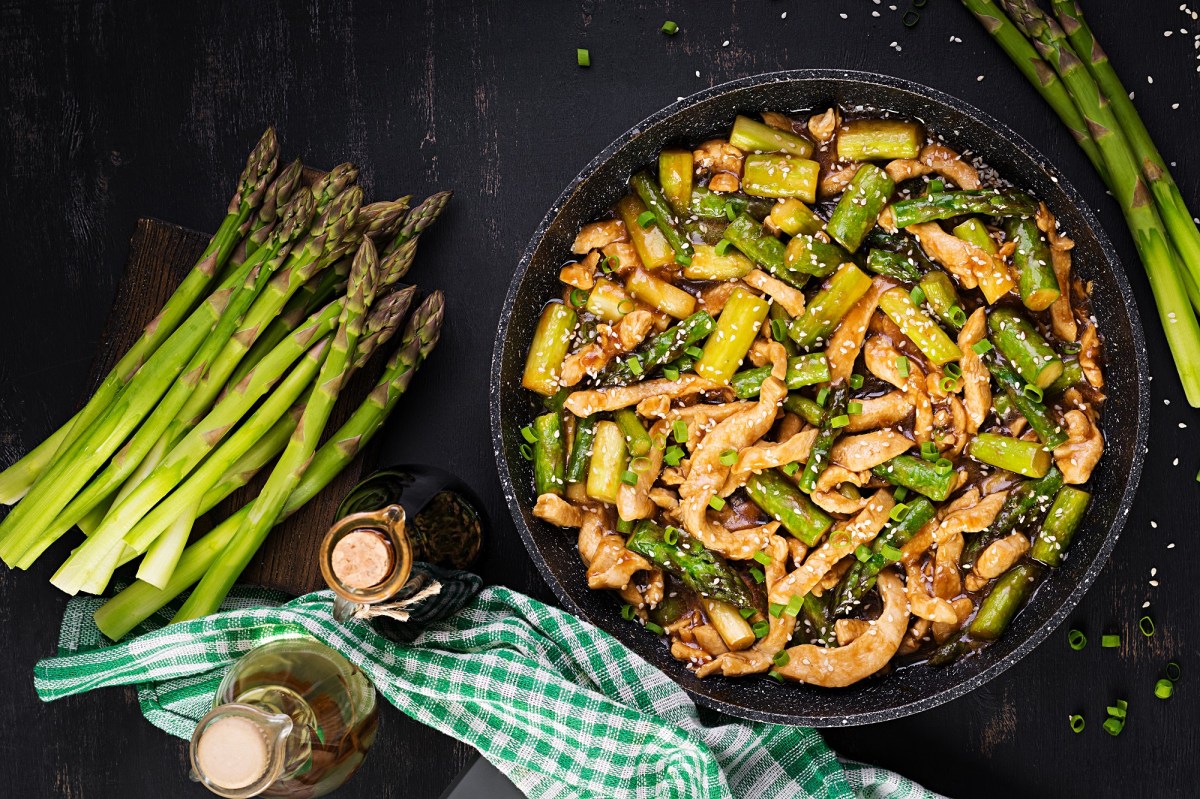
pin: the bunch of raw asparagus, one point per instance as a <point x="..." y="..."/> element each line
<point x="1060" y="56"/>
<point x="242" y="367"/>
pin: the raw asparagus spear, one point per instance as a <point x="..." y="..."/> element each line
<point x="705" y="572"/>
<point x="278" y="195"/>
<point x="141" y="600"/>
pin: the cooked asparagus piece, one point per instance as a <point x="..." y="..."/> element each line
<point x="750" y="136"/>
<point x="943" y="298"/>
<point x="581" y="449"/>
<point x="807" y="409"/>
<point x="658" y="293"/>
<point x="651" y="245"/>
<point x="608" y="301"/>
<point x="708" y="264"/>
<point x="140" y="600"/>
<point x="860" y="579"/>
<point x="781" y="500"/>
<point x="934" y="480"/>
<point x="660" y="349"/>
<point x="859" y="206"/>
<point x="811" y="256"/>
<point x="1072" y="375"/>
<point x="1023" y="505"/>
<point x="737" y="326"/>
<point x="1031" y="258"/>
<point x="802" y="370"/>
<point x="929" y="337"/>
<point x="778" y="175"/>
<point x="675" y="176"/>
<point x="1019" y="341"/>
<point x="637" y="440"/>
<point x="734" y="630"/>
<point x="827" y="307"/>
<point x="762" y="248"/>
<point x="894" y="265"/>
<point x="548" y="454"/>
<point x="668" y="223"/>
<point x="948" y="204"/>
<point x="1007" y="595"/>
<point x="1028" y="458"/>
<point x="705" y="572"/>
<point x="794" y="217"/>
<point x="607" y="464"/>
<point x="551" y="340"/>
<point x="17" y="479"/>
<point x="1059" y="526"/>
<point x="815" y="612"/>
<point x="818" y="457"/>
<point x="879" y="140"/>
<point x="1041" y="421"/>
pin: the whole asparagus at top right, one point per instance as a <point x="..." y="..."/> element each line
<point x="1163" y="229"/>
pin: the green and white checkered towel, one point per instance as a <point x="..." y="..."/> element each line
<point x="561" y="707"/>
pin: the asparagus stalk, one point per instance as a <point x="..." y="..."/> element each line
<point x="763" y="248"/>
<point x="879" y="140"/>
<point x="551" y="340"/>
<point x="16" y="480"/>
<point x="1058" y="528"/>
<point x="278" y="195"/>
<point x="927" y="334"/>
<point x="1031" y="258"/>
<point x="895" y="265"/>
<point x="934" y="480"/>
<point x="675" y="175"/>
<point x="947" y="204"/>
<point x="581" y="449"/>
<point x="809" y="255"/>
<point x="1158" y="256"/>
<point x="778" y="175"/>
<point x="660" y="349"/>
<point x="859" y="207"/>
<point x="802" y="370"/>
<point x="652" y="195"/>
<point x="818" y="457"/>
<point x="1040" y="419"/>
<point x="637" y="439"/>
<point x="141" y="600"/>
<point x="738" y="324"/>
<point x="705" y="572"/>
<point x="1027" y="349"/>
<point x="860" y="579"/>
<point x="943" y="298"/>
<point x="827" y="307"/>
<point x="1007" y="595"/>
<point x="1028" y="458"/>
<point x="548" y="454"/>
<point x="781" y="500"/>
<point x="751" y="136"/>
<point x="1023" y="505"/>
<point x="286" y="474"/>
<point x="1171" y="205"/>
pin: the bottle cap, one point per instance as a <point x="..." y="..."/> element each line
<point x="237" y="750"/>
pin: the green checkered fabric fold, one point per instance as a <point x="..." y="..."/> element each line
<point x="561" y="707"/>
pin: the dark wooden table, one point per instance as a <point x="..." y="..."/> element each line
<point x="112" y="111"/>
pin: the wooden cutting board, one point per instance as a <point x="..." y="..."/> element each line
<point x="160" y="254"/>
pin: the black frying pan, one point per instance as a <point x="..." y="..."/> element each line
<point x="964" y="128"/>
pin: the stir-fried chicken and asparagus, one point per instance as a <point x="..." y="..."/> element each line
<point x="819" y="397"/>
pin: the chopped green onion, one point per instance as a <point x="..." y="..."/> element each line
<point x="629" y="478"/>
<point x="948" y="384"/>
<point x="716" y="503"/>
<point x="1118" y="712"/>
<point x="1110" y="641"/>
<point x="612" y="263"/>
<point x="856" y="381"/>
<point x="1173" y="671"/>
<point x="790" y="468"/>
<point x="730" y="211"/>
<point x="671" y="535"/>
<point x="839" y="421"/>
<point x="579" y="298"/>
<point x="634" y="364"/>
<point x="679" y="429"/>
<point x="943" y="466"/>
<point x="627" y="612"/>
<point x="775" y="609"/>
<point x="854" y="408"/>
<point x="1076" y="639"/>
<point x="695" y="352"/>
<point x="758" y="575"/>
<point x="762" y="557"/>
<point x="917" y="295"/>
<point x="822" y="395"/>
<point x="793" y="606"/>
<point x="1032" y="392"/>
<point x="526" y="452"/>
<point x="900" y="493"/>
<point x="1114" y="726"/>
<point x="776" y="676"/>
<point x="953" y="369"/>
<point x="723" y="247"/>
<point x="781" y="658"/>
<point x="669" y="28"/>
<point x="1077" y="723"/>
<point x="779" y="330"/>
<point x="746" y="613"/>
<point x="862" y="553"/>
<point x="1164" y="688"/>
<point x="683" y="258"/>
<point x="583" y="57"/>
<point x="729" y="457"/>
<point x="902" y="366"/>
<point x="624" y="526"/>
<point x="528" y="434"/>
<point x="981" y="346"/>
<point x="957" y="315"/>
<point x="890" y="552"/>
<point x="640" y="464"/>
<point x="899" y="511"/>
<point x="654" y="628"/>
<point x="673" y="455"/>
<point x="1146" y="625"/>
<point x="646" y="219"/>
<point x="929" y="451"/>
<point x="670" y="372"/>
<point x="760" y="629"/>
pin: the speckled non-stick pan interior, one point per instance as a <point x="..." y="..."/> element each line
<point x="964" y="128"/>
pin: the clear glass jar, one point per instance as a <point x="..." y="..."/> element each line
<point x="292" y="718"/>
